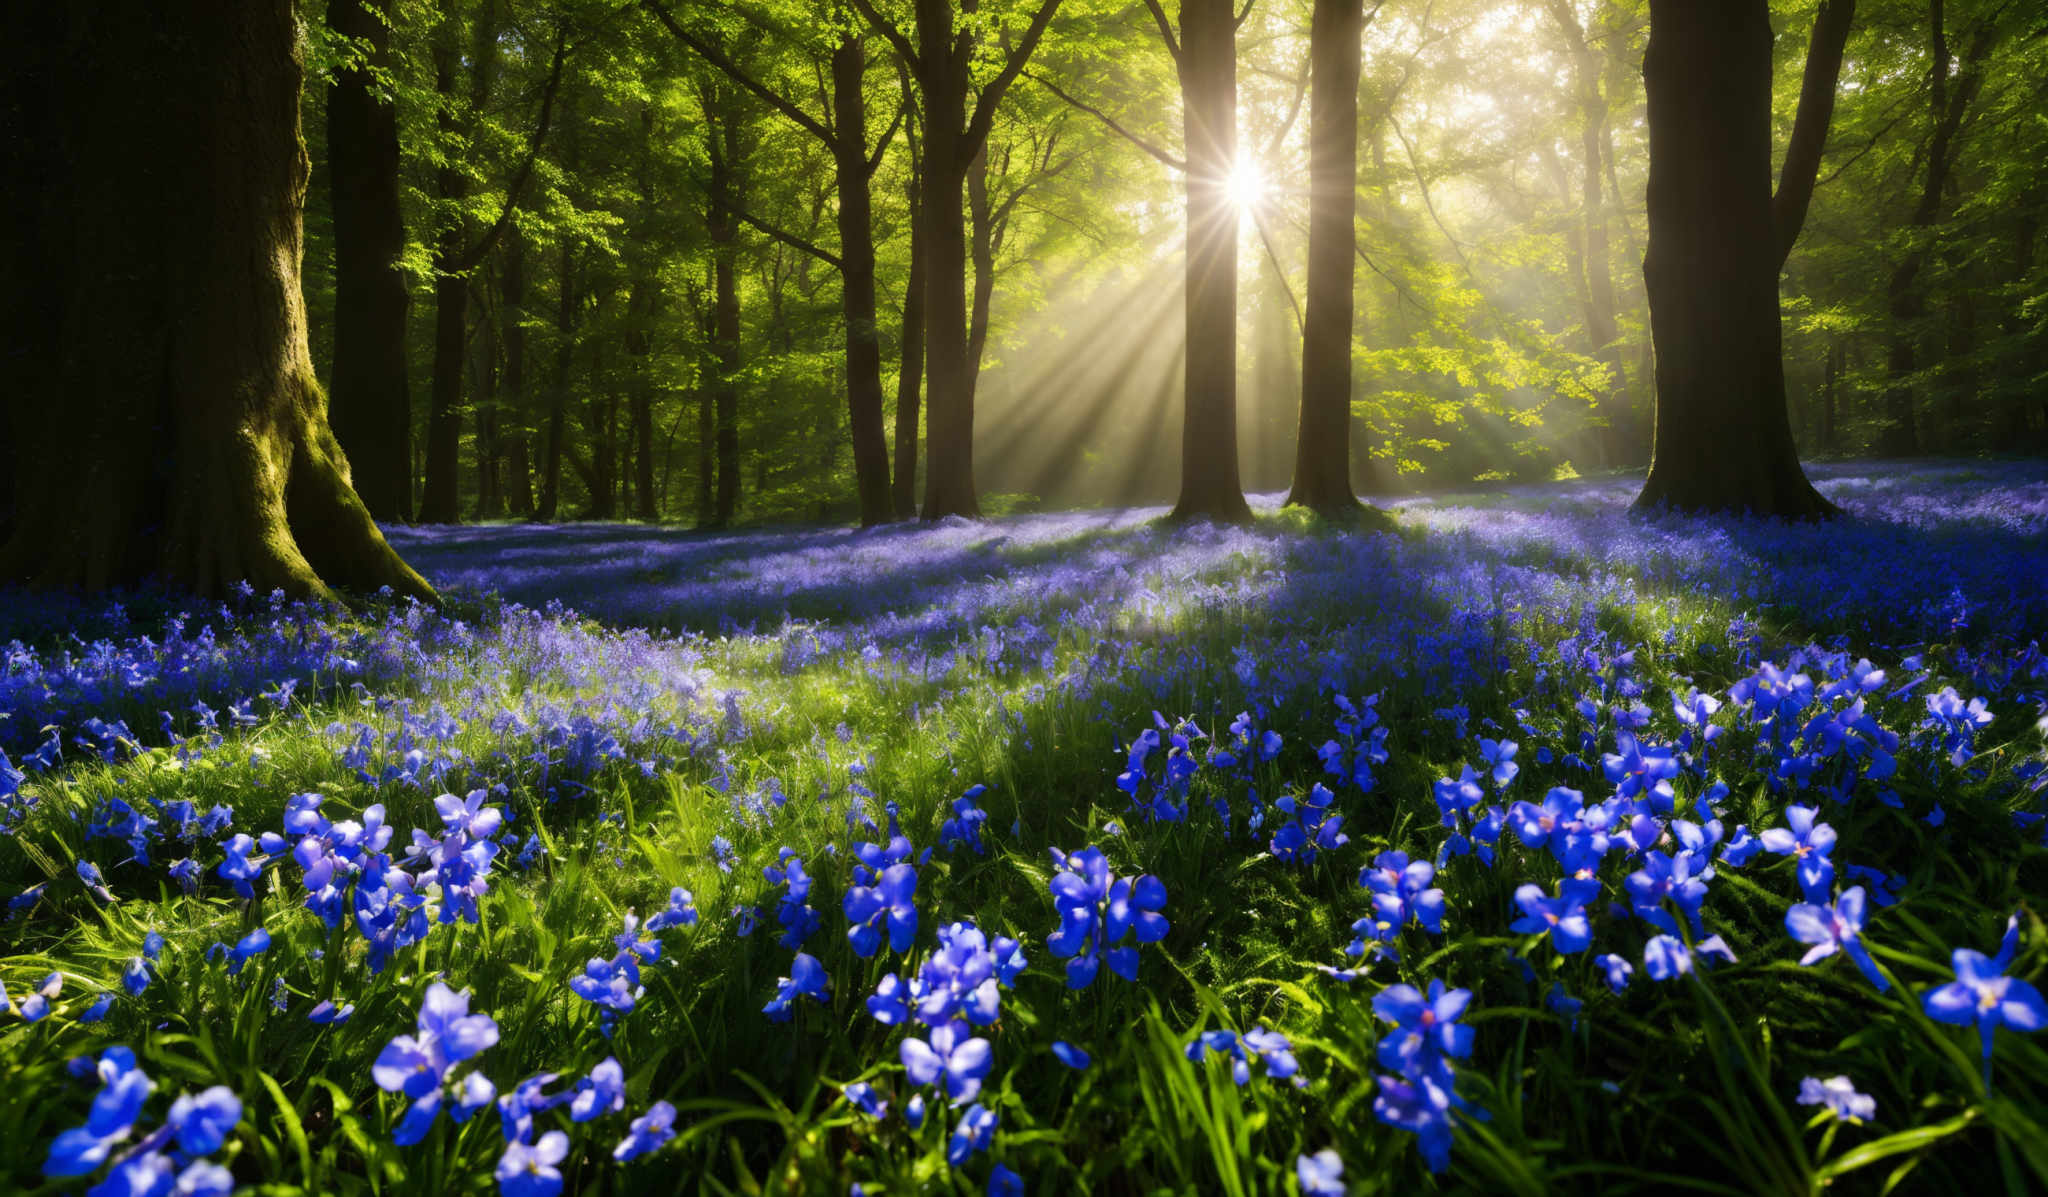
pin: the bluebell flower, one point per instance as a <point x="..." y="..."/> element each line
<point x="1422" y="1106"/>
<point x="1456" y="796"/>
<point x="1809" y="843"/>
<point x="1312" y="828"/>
<point x="647" y="1132"/>
<point x="602" y="1092"/>
<point x="952" y="1057"/>
<point x="1097" y="911"/>
<point x="1401" y="894"/>
<point x="1616" y="969"/>
<point x="681" y="911"/>
<point x="806" y="979"/>
<point x="1667" y="879"/>
<point x="965" y="825"/>
<point x="1071" y="1056"/>
<point x="1563" y="917"/>
<point x="115" y="1108"/>
<point x="1002" y="1182"/>
<point x="1320" y="1175"/>
<point x="528" y="1170"/>
<point x="1666" y="957"/>
<point x="1839" y="1095"/>
<point x="1837" y="928"/>
<point x="889" y="903"/>
<point x="1428" y="1026"/>
<point x="1984" y="995"/>
<point x="135" y="978"/>
<point x="36" y="1006"/>
<point x="1500" y="754"/>
<point x="420" y="1065"/>
<point x="864" y="1098"/>
<point x="972" y="1136"/>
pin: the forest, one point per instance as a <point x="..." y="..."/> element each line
<point x="989" y="596"/>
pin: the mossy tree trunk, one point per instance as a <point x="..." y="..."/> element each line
<point x="172" y="428"/>
<point x="368" y="395"/>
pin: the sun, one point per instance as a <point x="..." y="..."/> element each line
<point x="1245" y="186"/>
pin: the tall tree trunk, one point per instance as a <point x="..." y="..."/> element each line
<point x="1322" y="445"/>
<point x="857" y="294"/>
<point x="1905" y="290"/>
<point x="490" y="501"/>
<point x="513" y="399"/>
<point x="1601" y="327"/>
<point x="368" y="395"/>
<point x="723" y="140"/>
<point x="1829" y="396"/>
<point x="981" y="251"/>
<point x="910" y="365"/>
<point x="439" y="494"/>
<point x="1209" y="485"/>
<point x="949" y="400"/>
<point x="162" y="399"/>
<point x="558" y="390"/>
<point x="1723" y="439"/>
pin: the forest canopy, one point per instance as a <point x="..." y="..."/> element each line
<point x="634" y="208"/>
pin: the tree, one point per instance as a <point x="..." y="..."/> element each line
<point x="1948" y="102"/>
<point x="941" y="63"/>
<point x="1322" y="447"/>
<point x="368" y="394"/>
<point x="910" y="351"/>
<point x="163" y="395"/>
<point x="1206" y="56"/>
<point x="844" y="134"/>
<point x="455" y="255"/>
<point x="1723" y="439"/>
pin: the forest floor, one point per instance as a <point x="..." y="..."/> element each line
<point x="1533" y="844"/>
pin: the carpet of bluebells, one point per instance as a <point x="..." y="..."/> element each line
<point x="1531" y="846"/>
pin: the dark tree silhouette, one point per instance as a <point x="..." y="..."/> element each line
<point x="162" y="399"/>
<point x="368" y="395"/>
<point x="1322" y="447"/>
<point x="1723" y="439"/>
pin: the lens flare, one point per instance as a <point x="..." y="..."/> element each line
<point x="1246" y="185"/>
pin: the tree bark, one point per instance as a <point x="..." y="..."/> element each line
<point x="722" y="140"/>
<point x="1905" y="292"/>
<point x="513" y="397"/>
<point x="558" y="390"/>
<point x="857" y="275"/>
<point x="369" y="397"/>
<point x="490" y="499"/>
<point x="176" y="432"/>
<point x="1209" y="485"/>
<point x="910" y="363"/>
<point x="1723" y="439"/>
<point x="1322" y="444"/>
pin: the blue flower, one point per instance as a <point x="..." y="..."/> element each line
<point x="1004" y="1183"/>
<point x="1839" y="1095"/>
<point x="1071" y="1056"/>
<point x="1667" y="879"/>
<point x="1097" y="911"/>
<point x="1809" y="843"/>
<point x="1401" y="894"/>
<point x="529" y="1170"/>
<point x="976" y="1130"/>
<point x="420" y="1065"/>
<point x="1312" y="828"/>
<point x="1984" y="995"/>
<point x="890" y="902"/>
<point x="1320" y="1175"/>
<point x="1617" y="970"/>
<point x="866" y="1100"/>
<point x="965" y="825"/>
<point x="123" y="1089"/>
<point x="952" y="1056"/>
<point x="1837" y="928"/>
<point x="647" y="1132"/>
<point x="202" y="1121"/>
<point x="1666" y="957"/>
<point x="680" y="912"/>
<point x="1429" y="1028"/>
<point x="602" y="1092"/>
<point x="806" y="979"/>
<point x="1562" y="917"/>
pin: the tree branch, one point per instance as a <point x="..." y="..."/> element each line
<point x="482" y="248"/>
<point x="1105" y="118"/>
<point x="780" y="234"/>
<point x="881" y="25"/>
<point x="1013" y="65"/>
<point x="717" y="58"/>
<point x="875" y="159"/>
<point x="1810" y="124"/>
<point x="1165" y="28"/>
